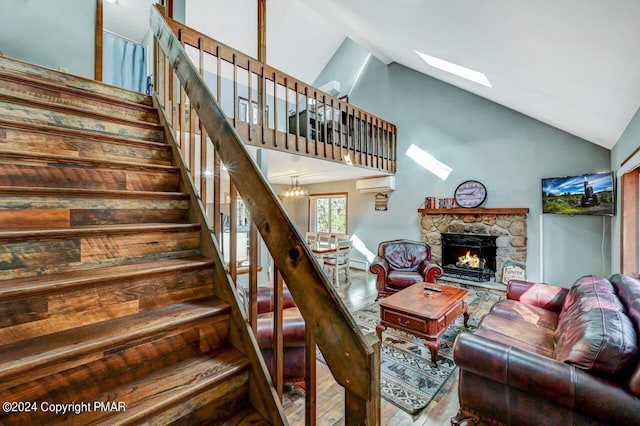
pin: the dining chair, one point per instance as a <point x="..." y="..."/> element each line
<point x="324" y="239"/>
<point x="339" y="259"/>
<point x="311" y="237"/>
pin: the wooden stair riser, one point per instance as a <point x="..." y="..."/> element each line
<point x="55" y="97"/>
<point x="214" y="406"/>
<point x="40" y="116"/>
<point x="183" y="390"/>
<point x="48" y="212"/>
<point x="50" y="142"/>
<point x="18" y="68"/>
<point x="112" y="369"/>
<point x="46" y="256"/>
<point x="33" y="173"/>
<point x="41" y="314"/>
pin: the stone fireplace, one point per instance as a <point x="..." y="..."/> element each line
<point x="507" y="227"/>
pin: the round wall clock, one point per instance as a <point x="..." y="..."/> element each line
<point x="470" y="194"/>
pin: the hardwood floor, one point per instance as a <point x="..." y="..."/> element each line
<point x="330" y="395"/>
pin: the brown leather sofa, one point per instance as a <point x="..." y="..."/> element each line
<point x="552" y="356"/>
<point x="401" y="263"/>
<point x="293" y="333"/>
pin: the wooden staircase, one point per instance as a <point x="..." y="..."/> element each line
<point x="106" y="303"/>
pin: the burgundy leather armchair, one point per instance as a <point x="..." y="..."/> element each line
<point x="401" y="263"/>
<point x="293" y="333"/>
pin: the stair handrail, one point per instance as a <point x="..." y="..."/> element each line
<point x="352" y="358"/>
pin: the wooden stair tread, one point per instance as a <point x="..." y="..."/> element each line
<point x="30" y="234"/>
<point x="98" y="164"/>
<point x="82" y="192"/>
<point x="23" y="287"/>
<point x="52" y="85"/>
<point x="21" y="112"/>
<point x="79" y="133"/>
<point x="25" y="69"/>
<point x="169" y="386"/>
<point x="16" y="358"/>
<point x="70" y="109"/>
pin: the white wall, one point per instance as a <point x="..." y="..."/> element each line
<point x="54" y="34"/>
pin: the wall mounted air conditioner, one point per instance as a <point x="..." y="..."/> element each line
<point x="379" y="184"/>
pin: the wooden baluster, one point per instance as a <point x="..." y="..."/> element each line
<point x="340" y="131"/>
<point x="394" y="147"/>
<point x="376" y="140"/>
<point x="359" y="135"/>
<point x="263" y="109"/>
<point x="192" y="140"/>
<point x="308" y="135"/>
<point x="275" y="110"/>
<point x="310" y="404"/>
<point x="218" y="75"/>
<point x="286" y="112"/>
<point x="182" y="112"/>
<point x="365" y="139"/>
<point x="371" y="142"/>
<point x="217" y="223"/>
<point x="172" y="89"/>
<point x="233" y="233"/>
<point x="277" y="345"/>
<point x="202" y="166"/>
<point x="334" y="122"/>
<point x="253" y="276"/>
<point x="250" y="112"/>
<point x="325" y="126"/>
<point x="316" y="124"/>
<point x="297" y="117"/>
<point x="385" y="160"/>
<point x="235" y="92"/>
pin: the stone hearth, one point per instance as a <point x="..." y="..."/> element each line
<point x="509" y="228"/>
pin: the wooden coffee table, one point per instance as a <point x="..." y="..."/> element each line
<point x="423" y="313"/>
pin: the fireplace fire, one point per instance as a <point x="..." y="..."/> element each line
<point x="470" y="261"/>
<point x="469" y="256"/>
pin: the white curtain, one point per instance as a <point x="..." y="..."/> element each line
<point x="123" y="62"/>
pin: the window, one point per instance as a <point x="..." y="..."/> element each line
<point x="328" y="213"/>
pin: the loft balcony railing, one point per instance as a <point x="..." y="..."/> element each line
<point x="273" y="110"/>
<point x="204" y="139"/>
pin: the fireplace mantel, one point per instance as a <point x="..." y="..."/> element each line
<point x="477" y="211"/>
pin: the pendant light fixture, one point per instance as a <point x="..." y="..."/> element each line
<point x="295" y="190"/>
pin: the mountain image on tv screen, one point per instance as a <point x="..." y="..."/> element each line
<point x="584" y="194"/>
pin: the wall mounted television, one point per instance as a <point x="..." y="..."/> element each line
<point x="590" y="194"/>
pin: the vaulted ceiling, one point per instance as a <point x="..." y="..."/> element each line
<point x="573" y="64"/>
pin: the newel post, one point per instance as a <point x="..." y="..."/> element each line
<point x="358" y="411"/>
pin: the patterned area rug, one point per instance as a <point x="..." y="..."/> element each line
<point x="408" y="380"/>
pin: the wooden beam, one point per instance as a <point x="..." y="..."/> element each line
<point x="262" y="31"/>
<point x="98" y="43"/>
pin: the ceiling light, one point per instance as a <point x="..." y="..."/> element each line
<point x="455" y="69"/>
<point x="112" y="1"/>
<point x="295" y="190"/>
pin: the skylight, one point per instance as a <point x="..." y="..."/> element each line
<point x="455" y="69"/>
<point x="429" y="162"/>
